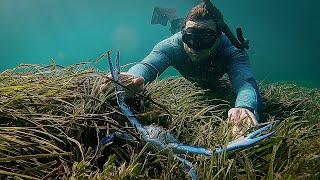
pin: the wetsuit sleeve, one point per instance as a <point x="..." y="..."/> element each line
<point x="243" y="81"/>
<point x="155" y="63"/>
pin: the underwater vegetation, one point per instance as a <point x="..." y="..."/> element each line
<point x="53" y="118"/>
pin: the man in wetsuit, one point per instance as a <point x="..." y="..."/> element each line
<point x="202" y="53"/>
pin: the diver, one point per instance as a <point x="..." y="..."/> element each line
<point x="203" y="51"/>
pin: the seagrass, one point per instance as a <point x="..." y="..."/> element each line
<point x="52" y="118"/>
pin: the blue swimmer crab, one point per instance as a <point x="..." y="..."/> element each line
<point x="164" y="141"/>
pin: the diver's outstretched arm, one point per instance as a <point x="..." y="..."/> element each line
<point x="155" y="63"/>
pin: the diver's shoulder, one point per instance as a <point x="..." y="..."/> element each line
<point x="224" y="41"/>
<point x="177" y="36"/>
<point x="227" y="48"/>
<point x="174" y="41"/>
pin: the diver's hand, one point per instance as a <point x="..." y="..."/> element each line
<point x="134" y="83"/>
<point x="241" y="119"/>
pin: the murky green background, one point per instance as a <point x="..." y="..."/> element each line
<point x="284" y="35"/>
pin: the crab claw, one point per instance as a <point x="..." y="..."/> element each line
<point x="245" y="142"/>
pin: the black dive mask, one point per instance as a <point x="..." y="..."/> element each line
<point x="198" y="39"/>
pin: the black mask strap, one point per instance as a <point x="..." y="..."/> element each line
<point x="239" y="41"/>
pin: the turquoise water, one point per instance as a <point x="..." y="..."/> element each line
<point x="284" y="35"/>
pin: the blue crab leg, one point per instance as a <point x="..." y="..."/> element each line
<point x="110" y="138"/>
<point x="258" y="131"/>
<point x="188" y="166"/>
<point x="120" y="98"/>
<point x="245" y="142"/>
<point x="182" y="149"/>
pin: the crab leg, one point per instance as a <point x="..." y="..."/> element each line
<point x="247" y="141"/>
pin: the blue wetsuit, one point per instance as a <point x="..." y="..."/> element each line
<point x="227" y="59"/>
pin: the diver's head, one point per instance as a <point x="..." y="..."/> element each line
<point x="200" y="33"/>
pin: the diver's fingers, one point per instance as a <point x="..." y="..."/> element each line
<point x="138" y="81"/>
<point x="243" y="115"/>
<point x="127" y="77"/>
<point x="122" y="78"/>
<point x="122" y="74"/>
<point x="137" y="84"/>
<point x="249" y="117"/>
<point x="234" y="115"/>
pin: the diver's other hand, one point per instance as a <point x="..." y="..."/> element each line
<point x="241" y="120"/>
<point x="131" y="81"/>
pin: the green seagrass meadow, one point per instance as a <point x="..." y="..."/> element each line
<point x="52" y="118"/>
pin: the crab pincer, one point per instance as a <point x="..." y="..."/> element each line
<point x="248" y="140"/>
